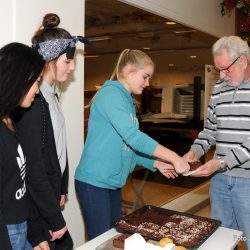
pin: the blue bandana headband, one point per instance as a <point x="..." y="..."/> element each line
<point x="52" y="49"/>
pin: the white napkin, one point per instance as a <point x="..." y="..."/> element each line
<point x="136" y="241"/>
<point x="189" y="173"/>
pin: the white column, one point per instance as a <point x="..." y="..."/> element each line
<point x="18" y="22"/>
<point x="6" y="22"/>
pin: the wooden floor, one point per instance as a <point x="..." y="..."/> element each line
<point x="156" y="193"/>
<point x="153" y="193"/>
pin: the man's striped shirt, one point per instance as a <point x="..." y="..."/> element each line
<point x="228" y="127"/>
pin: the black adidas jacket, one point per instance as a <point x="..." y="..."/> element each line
<point x="14" y="199"/>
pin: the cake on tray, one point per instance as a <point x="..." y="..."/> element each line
<point x="157" y="223"/>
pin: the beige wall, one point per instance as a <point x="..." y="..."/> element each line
<point x="203" y="15"/>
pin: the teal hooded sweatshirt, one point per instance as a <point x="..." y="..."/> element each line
<point x="114" y="144"/>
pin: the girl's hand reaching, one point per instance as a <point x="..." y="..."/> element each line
<point x="166" y="169"/>
<point x="167" y="155"/>
<point x="181" y="165"/>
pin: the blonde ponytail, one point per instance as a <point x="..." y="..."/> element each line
<point x="134" y="57"/>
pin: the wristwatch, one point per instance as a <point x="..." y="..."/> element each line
<point x="223" y="165"/>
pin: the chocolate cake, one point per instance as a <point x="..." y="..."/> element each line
<point x="184" y="229"/>
<point x="147" y="228"/>
<point x="119" y="241"/>
<point x="194" y="165"/>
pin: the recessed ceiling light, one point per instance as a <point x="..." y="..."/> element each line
<point x="184" y="31"/>
<point x="192" y="57"/>
<point x="91" y="56"/>
<point x="170" y="23"/>
<point x="171" y="65"/>
<point x="99" y="38"/>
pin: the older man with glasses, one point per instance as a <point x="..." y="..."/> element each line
<point x="228" y="129"/>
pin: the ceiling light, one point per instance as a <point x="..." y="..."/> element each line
<point x="171" y="65"/>
<point x="170" y="23"/>
<point x="99" y="38"/>
<point x="91" y="56"/>
<point x="184" y="31"/>
<point x="146" y="48"/>
<point x="192" y="57"/>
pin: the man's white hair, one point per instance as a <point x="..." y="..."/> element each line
<point x="234" y="45"/>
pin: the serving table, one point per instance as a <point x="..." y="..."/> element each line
<point x="222" y="239"/>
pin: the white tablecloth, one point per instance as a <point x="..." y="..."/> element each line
<point x="222" y="239"/>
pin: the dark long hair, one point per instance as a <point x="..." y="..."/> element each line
<point x="20" y="66"/>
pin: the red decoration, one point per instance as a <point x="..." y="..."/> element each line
<point x="243" y="6"/>
<point x="230" y="5"/>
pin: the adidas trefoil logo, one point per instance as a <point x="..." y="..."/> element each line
<point x="21" y="161"/>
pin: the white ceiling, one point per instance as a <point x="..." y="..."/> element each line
<point x="121" y="26"/>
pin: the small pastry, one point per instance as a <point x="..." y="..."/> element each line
<point x="164" y="241"/>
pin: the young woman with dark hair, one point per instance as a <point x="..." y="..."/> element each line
<point x="20" y="75"/>
<point x="46" y="148"/>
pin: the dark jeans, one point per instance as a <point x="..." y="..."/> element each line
<point x="100" y="207"/>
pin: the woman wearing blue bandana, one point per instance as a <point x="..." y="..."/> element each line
<point x="42" y="132"/>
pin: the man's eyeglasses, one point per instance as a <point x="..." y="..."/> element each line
<point x="226" y="70"/>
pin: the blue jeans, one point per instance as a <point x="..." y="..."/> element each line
<point x="18" y="236"/>
<point x="100" y="207"/>
<point x="230" y="203"/>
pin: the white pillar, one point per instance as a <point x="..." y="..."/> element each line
<point x="18" y="22"/>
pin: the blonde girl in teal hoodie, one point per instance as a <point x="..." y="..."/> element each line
<point x="115" y="145"/>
